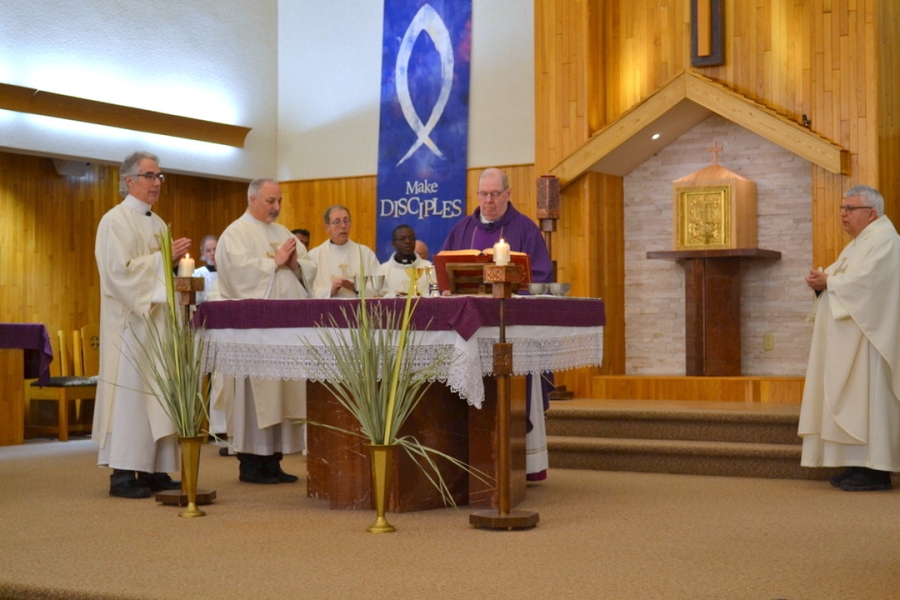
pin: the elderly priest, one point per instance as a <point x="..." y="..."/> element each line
<point x="497" y="218"/>
<point x="850" y="416"/>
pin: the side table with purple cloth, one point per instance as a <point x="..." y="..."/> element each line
<point x="34" y="342"/>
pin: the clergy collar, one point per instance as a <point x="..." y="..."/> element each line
<point x="405" y="261"/>
<point x="136" y="205"/>
<point x="211" y="268"/>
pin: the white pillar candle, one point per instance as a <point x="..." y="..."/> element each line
<point x="501" y="253"/>
<point x="186" y="266"/>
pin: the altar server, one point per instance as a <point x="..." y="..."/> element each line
<point x="259" y="258"/>
<point x="136" y="437"/>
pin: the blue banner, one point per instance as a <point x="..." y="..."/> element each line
<point x="424" y="128"/>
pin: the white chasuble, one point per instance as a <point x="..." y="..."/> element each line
<point x="347" y="261"/>
<point x="128" y="419"/>
<point x="245" y="261"/>
<point x="850" y="414"/>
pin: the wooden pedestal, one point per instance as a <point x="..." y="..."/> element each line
<point x="712" y="307"/>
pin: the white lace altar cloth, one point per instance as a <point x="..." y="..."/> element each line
<point x="282" y="353"/>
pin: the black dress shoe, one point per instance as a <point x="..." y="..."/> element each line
<point x="130" y="489"/>
<point x="867" y="480"/>
<point x="158" y="482"/>
<point x="837" y="478"/>
<point x="252" y="469"/>
<point x="272" y="466"/>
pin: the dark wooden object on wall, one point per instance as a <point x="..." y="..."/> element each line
<point x="712" y="307"/>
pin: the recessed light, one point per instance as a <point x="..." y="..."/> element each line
<point x="655" y="136"/>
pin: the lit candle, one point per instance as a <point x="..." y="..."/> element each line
<point x="186" y="266"/>
<point x="501" y="253"/>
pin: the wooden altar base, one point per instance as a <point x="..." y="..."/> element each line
<point x="785" y="390"/>
<point x="338" y="466"/>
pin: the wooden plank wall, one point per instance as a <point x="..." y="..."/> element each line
<point x="48" y="224"/>
<point x="836" y="62"/>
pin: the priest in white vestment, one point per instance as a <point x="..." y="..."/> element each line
<point x="850" y="416"/>
<point x="339" y="259"/>
<point x="258" y="258"/>
<point x="403" y="264"/>
<point x="136" y="437"/>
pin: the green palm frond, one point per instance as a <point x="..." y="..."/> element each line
<point x="169" y="358"/>
<point x="372" y="362"/>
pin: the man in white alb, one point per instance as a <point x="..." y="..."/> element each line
<point x="338" y="258"/>
<point x="259" y="258"/>
<point x="850" y="416"/>
<point x="404" y="262"/>
<point x="136" y="437"/>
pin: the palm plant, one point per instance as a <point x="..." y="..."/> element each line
<point x="372" y="362"/>
<point x="169" y="359"/>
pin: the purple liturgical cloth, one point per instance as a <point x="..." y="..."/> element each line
<point x="516" y="229"/>
<point x="34" y="340"/>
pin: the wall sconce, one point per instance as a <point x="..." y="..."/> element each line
<point x="33" y="101"/>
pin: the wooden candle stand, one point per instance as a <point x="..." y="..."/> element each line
<point x="502" y="279"/>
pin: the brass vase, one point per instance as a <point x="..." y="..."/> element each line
<point x="381" y="458"/>
<point x="190" y="469"/>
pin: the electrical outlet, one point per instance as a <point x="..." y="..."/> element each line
<point x="769" y="341"/>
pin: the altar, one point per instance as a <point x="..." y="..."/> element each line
<point x="271" y="339"/>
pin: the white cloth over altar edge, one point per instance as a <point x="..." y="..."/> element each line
<point x="282" y="353"/>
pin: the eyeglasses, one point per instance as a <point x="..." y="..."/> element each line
<point x="850" y="209"/>
<point x="493" y="195"/>
<point x="339" y="222"/>
<point x="149" y="176"/>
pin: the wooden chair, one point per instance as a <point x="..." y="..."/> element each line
<point x="63" y="389"/>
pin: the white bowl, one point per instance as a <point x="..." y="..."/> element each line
<point x="537" y="289"/>
<point x="560" y="289"/>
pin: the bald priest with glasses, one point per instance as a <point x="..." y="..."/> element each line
<point x="497" y="218"/>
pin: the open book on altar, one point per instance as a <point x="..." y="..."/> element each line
<point x="462" y="271"/>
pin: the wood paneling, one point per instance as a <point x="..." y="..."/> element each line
<point x="836" y="62"/>
<point x="47" y="269"/>
<point x="784" y="390"/>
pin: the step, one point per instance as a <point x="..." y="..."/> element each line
<point x="765" y="460"/>
<point x="750" y="426"/>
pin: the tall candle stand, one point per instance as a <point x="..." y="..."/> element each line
<point x="548" y="215"/>
<point x="186" y="289"/>
<point x="502" y="279"/>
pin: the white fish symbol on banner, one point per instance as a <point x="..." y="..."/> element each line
<point x="429" y="21"/>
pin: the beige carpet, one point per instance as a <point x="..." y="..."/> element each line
<point x="601" y="535"/>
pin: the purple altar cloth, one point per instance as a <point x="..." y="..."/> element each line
<point x="463" y="314"/>
<point x="34" y="340"/>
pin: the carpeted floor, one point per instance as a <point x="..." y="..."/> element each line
<point x="601" y="535"/>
